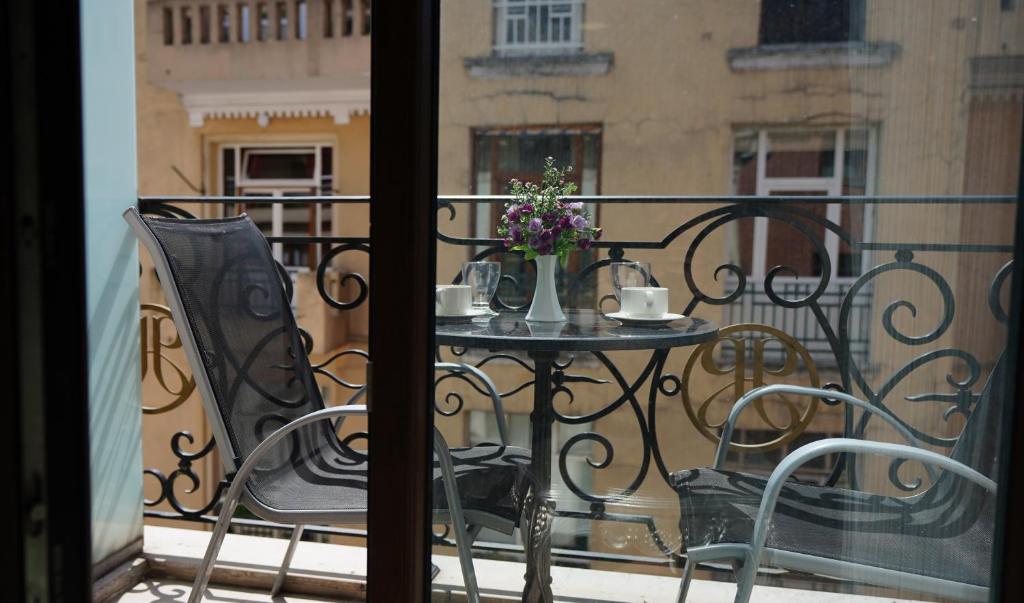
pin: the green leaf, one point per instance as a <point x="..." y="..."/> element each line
<point x="563" y="258"/>
<point x="531" y="254"/>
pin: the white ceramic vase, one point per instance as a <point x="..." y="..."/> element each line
<point x="545" y="307"/>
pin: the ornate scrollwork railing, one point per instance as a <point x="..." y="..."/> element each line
<point x="887" y="332"/>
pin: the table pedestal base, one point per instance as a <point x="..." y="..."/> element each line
<point x="539" y="505"/>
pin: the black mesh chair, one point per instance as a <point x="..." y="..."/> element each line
<point x="938" y="541"/>
<point x="277" y="440"/>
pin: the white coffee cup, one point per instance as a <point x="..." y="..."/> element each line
<point x="452" y="300"/>
<point x="644" y="301"/>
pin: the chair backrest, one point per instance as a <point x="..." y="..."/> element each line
<point x="978" y="444"/>
<point x="246" y="351"/>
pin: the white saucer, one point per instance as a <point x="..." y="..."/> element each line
<point x="467" y="317"/>
<point x="644" y="321"/>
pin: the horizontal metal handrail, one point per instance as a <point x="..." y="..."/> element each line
<point x="355" y="199"/>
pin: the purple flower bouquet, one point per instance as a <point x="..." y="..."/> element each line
<point x="540" y="220"/>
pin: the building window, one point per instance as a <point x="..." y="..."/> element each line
<point x="204" y="24"/>
<point x="537" y="25"/>
<point x="186" y="25"/>
<point x="803" y="163"/>
<point x="501" y="154"/>
<point x="811" y="21"/>
<point x="262" y="22"/>
<point x="281" y="171"/>
<point x="566" y="532"/>
<point x="168" y="26"/>
<point x="244" y="20"/>
<point x="301" y="19"/>
<point x="223" y="24"/>
<point x="817" y="470"/>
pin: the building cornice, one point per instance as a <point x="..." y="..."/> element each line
<point x="262" y="100"/>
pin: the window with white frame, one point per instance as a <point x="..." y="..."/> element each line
<point x="803" y="163"/>
<point x="820" y="162"/>
<point x="537" y="26"/>
<point x="282" y="170"/>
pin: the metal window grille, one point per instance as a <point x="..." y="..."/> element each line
<point x="538" y="25"/>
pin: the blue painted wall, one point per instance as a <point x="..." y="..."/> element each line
<point x="108" y="91"/>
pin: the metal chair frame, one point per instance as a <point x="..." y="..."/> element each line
<point x="464" y="523"/>
<point x="748" y="557"/>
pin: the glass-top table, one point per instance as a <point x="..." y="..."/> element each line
<point x="583" y="331"/>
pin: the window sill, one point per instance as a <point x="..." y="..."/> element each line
<point x="812" y="56"/>
<point x="539" y="65"/>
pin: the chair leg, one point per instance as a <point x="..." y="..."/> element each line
<point x="451" y="494"/>
<point x="745" y="579"/>
<point x="282" y="573"/>
<point x="684" y="584"/>
<point x="464" y="546"/>
<point x="216" y="540"/>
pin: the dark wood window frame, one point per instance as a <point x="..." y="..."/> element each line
<point x="403" y="224"/>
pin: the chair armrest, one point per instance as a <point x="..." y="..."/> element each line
<point x="802" y="455"/>
<point x="319" y="415"/>
<point x="352" y="400"/>
<point x="492" y="391"/>
<point x="744" y="401"/>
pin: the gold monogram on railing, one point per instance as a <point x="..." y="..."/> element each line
<point x="174" y="381"/>
<point x="750" y="369"/>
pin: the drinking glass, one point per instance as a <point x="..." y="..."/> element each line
<point x="630" y="274"/>
<point x="482" y="278"/>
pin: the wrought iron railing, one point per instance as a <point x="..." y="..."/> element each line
<point x="866" y="334"/>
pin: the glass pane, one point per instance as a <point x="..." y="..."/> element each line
<point x="799" y="249"/>
<point x="811" y="21"/>
<point x="828" y="182"/>
<point x="800" y="154"/>
<point x="271" y="165"/>
<point x="285" y="142"/>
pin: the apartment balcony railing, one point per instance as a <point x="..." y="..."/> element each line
<point x="912" y="326"/>
<point x="208" y="41"/>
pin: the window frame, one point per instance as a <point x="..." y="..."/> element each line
<point x="833" y="186"/>
<point x="279" y="186"/>
<point x="503" y="20"/>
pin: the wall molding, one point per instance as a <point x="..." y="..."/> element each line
<point x="266" y="100"/>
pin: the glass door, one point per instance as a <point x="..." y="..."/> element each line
<point x="824" y="186"/>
